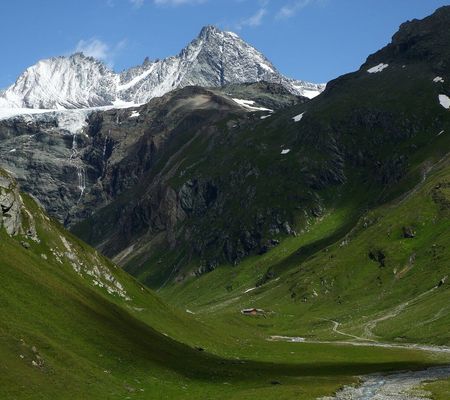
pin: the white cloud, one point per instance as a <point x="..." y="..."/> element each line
<point x="93" y="48"/>
<point x="100" y="50"/>
<point x="289" y="10"/>
<point x="176" y="2"/>
<point x="140" y="3"/>
<point x="254" y="20"/>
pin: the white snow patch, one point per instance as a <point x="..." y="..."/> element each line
<point x="13" y="150"/>
<point x="250" y="290"/>
<point x="266" y="67"/>
<point x="6" y="113"/>
<point x="249" y="105"/>
<point x="135" y="80"/>
<point x="440" y="133"/>
<point x="122" y="104"/>
<point x="438" y="79"/>
<point x="190" y="312"/>
<point x="232" y="34"/>
<point x="266" y="116"/>
<point x="377" y="68"/>
<point x="71" y="120"/>
<point x="310" y="94"/>
<point x="134" y="114"/>
<point x="298" y="117"/>
<point x="445" y="101"/>
<point x="285" y="151"/>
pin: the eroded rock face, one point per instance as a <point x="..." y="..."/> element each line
<point x="78" y="161"/>
<point x="15" y="218"/>
<point x="10" y="206"/>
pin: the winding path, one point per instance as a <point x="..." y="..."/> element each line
<point x="370" y="326"/>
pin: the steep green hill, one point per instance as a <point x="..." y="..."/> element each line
<point x="75" y="325"/>
<point x="385" y="279"/>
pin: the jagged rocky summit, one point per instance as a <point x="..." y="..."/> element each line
<point x="214" y="59"/>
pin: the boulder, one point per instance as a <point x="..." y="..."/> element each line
<point x="378" y="256"/>
<point x="408" y="232"/>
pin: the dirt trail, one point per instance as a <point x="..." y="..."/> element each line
<point x="364" y="343"/>
<point x="339" y="332"/>
<point x="371" y="325"/>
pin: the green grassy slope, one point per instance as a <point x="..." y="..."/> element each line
<point x="63" y="334"/>
<point x="402" y="297"/>
<point x="365" y="274"/>
<point x="366" y="185"/>
<point x="406" y="300"/>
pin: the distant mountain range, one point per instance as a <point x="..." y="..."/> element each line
<point x="214" y="59"/>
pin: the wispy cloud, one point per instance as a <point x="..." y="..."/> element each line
<point x="100" y="50"/>
<point x="254" y="20"/>
<point x="137" y="3"/>
<point x="177" y="2"/>
<point x="140" y="3"/>
<point x="292" y="8"/>
<point x="93" y="48"/>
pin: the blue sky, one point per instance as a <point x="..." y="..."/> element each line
<point x="315" y="40"/>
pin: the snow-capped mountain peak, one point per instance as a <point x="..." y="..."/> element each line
<point x="215" y="58"/>
<point x="76" y="81"/>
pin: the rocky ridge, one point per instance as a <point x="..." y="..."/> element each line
<point x="214" y="59"/>
<point x="77" y="161"/>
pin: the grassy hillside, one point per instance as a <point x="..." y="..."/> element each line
<point x="393" y="260"/>
<point x="385" y="279"/>
<point x="331" y="216"/>
<point x="73" y="324"/>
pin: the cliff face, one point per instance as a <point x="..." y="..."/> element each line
<point x="75" y="162"/>
<point x="14" y="216"/>
<point x="10" y="206"/>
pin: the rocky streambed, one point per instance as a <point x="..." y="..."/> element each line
<point x="405" y="385"/>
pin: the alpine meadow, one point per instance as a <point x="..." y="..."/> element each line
<point x="202" y="226"/>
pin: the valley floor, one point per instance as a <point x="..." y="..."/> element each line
<point x="360" y="322"/>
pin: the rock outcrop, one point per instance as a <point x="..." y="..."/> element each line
<point x="15" y="218"/>
<point x="10" y="205"/>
